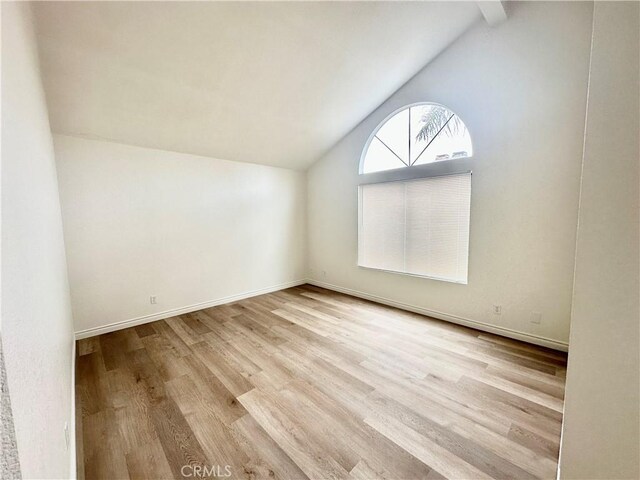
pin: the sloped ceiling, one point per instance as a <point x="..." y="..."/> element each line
<point x="271" y="83"/>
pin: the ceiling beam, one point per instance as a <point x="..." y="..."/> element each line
<point x="493" y="11"/>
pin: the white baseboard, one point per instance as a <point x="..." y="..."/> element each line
<point x="505" y="332"/>
<point x="111" y="327"/>
<point x="485" y="327"/>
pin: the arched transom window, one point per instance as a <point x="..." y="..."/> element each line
<point x="416" y="135"/>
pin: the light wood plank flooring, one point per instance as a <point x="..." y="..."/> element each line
<point x="309" y="383"/>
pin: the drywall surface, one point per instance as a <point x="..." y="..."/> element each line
<point x="197" y="77"/>
<point x="185" y="229"/>
<point x="36" y="324"/>
<point x="601" y="417"/>
<point x="521" y="90"/>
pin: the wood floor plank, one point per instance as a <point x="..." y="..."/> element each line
<point x="177" y="344"/>
<point x="231" y="377"/>
<point x="134" y="420"/>
<point x="194" y="325"/>
<point x="216" y="440"/>
<point x="380" y="453"/>
<point x="169" y="366"/>
<point x="182" y="331"/>
<point x="103" y="454"/>
<point x="553" y="386"/>
<point x="213" y="392"/>
<point x="146" y="375"/>
<point x="440" y="459"/>
<point x="535" y="442"/>
<point x="115" y="345"/>
<point x="264" y="451"/>
<point x="519" y="390"/>
<point x="325" y="430"/>
<point x="88" y="345"/>
<point x="465" y="449"/>
<point x="90" y="378"/>
<point x="306" y="383"/>
<point x="145" y="330"/>
<point x="178" y="441"/>
<point x="511" y="399"/>
<point x="148" y="462"/>
<point x="297" y="444"/>
<point x="364" y="471"/>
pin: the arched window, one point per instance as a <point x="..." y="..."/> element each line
<point x="416" y="220"/>
<point x="416" y="135"/>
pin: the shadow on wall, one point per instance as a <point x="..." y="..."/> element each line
<point x="9" y="461"/>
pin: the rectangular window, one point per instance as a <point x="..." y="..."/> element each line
<point x="418" y="227"/>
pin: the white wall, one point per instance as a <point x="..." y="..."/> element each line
<point x="601" y="417"/>
<point x="187" y="229"/>
<point x="36" y="314"/>
<point x="521" y="90"/>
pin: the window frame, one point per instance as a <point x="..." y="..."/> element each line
<point x="375" y="131"/>
<point x="452" y="166"/>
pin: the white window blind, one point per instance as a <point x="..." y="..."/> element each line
<point x="419" y="227"/>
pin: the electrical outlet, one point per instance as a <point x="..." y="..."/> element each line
<point x="66" y="435"/>
<point x="152" y="300"/>
<point x="536" y="318"/>
<point x="497" y="309"/>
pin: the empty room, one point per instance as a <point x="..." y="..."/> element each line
<point x="320" y="240"/>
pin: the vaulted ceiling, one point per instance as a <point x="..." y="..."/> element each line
<point x="276" y="83"/>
